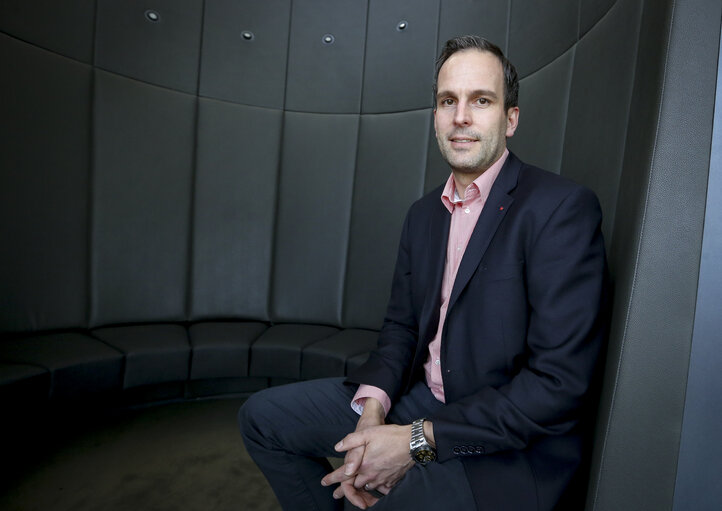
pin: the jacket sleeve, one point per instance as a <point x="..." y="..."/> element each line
<point x="566" y="303"/>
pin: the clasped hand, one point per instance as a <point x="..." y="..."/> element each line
<point x="377" y="455"/>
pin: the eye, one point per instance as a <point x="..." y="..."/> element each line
<point x="482" y="101"/>
<point x="446" y="102"/>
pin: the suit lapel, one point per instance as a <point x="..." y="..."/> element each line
<point x="438" y="238"/>
<point x="495" y="209"/>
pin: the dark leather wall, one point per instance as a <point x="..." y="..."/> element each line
<point x="214" y="189"/>
<point x="656" y="250"/>
<point x="199" y="165"/>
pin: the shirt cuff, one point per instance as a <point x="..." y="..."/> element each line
<point x="366" y="391"/>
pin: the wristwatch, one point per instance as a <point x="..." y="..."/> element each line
<point x="420" y="450"/>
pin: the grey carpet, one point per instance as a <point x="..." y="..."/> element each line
<point x="180" y="456"/>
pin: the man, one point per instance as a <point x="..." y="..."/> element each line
<point x="475" y="394"/>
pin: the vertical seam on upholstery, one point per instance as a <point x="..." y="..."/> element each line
<point x="570" y="83"/>
<point x="340" y="316"/>
<point x="637" y="255"/>
<point x="579" y="21"/>
<point x="629" y="106"/>
<point x="189" y="288"/>
<point x="427" y="144"/>
<point x="90" y="302"/>
<point x="277" y="203"/>
<point x="194" y="177"/>
<point x="508" y="28"/>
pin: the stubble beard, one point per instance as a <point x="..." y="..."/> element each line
<point x="475" y="160"/>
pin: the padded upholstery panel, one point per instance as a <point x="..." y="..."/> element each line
<point x="165" y="52"/>
<point x="222" y="350"/>
<point x="600" y="107"/>
<point x="153" y="353"/>
<point x="79" y="365"/>
<point x="328" y="357"/>
<point x="234" y="209"/>
<point x="314" y="213"/>
<point x="700" y="454"/>
<point x="277" y="353"/>
<point x="651" y="360"/>
<point x="389" y="177"/>
<point x="22" y="385"/>
<point x="144" y="138"/>
<point x="487" y="19"/>
<point x="326" y="78"/>
<point x="543" y="114"/>
<point x="399" y="64"/>
<point x="591" y="12"/>
<point x="44" y="171"/>
<point x="65" y="27"/>
<point x="540" y="31"/>
<point x="437" y="170"/>
<point x="356" y="361"/>
<point x="250" y="72"/>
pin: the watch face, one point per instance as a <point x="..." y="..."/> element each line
<point x="424" y="456"/>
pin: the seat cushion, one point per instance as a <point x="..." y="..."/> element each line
<point x="78" y="364"/>
<point x="222" y="349"/>
<point x="330" y="356"/>
<point x="277" y="353"/>
<point x="153" y="353"/>
<point x="23" y="384"/>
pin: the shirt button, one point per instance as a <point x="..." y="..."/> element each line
<point x="467" y="210"/>
<point x="437" y="362"/>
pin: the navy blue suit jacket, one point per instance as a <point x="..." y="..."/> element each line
<point x="524" y="328"/>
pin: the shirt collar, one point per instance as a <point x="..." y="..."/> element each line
<point x="482" y="184"/>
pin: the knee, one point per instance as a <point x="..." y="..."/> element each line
<point x="254" y="416"/>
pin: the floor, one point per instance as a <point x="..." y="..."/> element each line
<point x="180" y="456"/>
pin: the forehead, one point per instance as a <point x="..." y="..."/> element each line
<point x="471" y="69"/>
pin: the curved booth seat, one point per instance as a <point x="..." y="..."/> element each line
<point x="195" y="360"/>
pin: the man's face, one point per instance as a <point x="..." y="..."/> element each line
<point x="470" y="121"/>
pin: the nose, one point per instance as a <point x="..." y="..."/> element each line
<point x="462" y="115"/>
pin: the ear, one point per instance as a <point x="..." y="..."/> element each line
<point x="435" y="132"/>
<point x="512" y="120"/>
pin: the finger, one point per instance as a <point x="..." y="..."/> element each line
<point x="375" y="494"/>
<point x="352" y="460"/>
<point x="351" y="441"/>
<point x="384" y="488"/>
<point x="337" y="476"/>
<point x="354" y="497"/>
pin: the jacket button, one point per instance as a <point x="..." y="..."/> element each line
<point x="457" y="450"/>
<point x="464" y="450"/>
<point x="479" y="450"/>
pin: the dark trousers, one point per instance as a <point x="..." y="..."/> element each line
<point x="290" y="430"/>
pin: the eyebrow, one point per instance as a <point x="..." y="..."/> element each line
<point x="474" y="93"/>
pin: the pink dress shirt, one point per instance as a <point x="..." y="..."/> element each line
<point x="464" y="215"/>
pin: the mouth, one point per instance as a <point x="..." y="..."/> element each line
<point x="462" y="140"/>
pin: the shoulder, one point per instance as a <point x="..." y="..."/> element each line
<point x="543" y="188"/>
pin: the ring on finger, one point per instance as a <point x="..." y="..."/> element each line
<point x="372" y="491"/>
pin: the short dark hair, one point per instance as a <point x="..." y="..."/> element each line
<point x="468" y="42"/>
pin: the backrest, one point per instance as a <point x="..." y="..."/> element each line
<point x="245" y="160"/>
